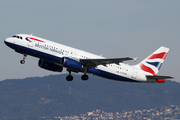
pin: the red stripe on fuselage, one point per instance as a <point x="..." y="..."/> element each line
<point x="34" y="39"/>
<point x="160" y="55"/>
<point x="147" y="69"/>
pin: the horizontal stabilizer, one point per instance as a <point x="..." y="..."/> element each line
<point x="159" y="77"/>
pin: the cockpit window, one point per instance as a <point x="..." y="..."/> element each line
<point x="19" y="37"/>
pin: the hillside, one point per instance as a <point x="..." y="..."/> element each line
<point x="54" y="96"/>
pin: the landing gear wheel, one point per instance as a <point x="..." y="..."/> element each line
<point x="22" y="61"/>
<point x="69" y="78"/>
<point x="84" y="77"/>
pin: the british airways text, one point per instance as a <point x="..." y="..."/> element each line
<point x="50" y="48"/>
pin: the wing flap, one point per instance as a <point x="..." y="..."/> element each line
<point x="90" y="63"/>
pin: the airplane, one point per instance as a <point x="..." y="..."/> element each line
<point x="54" y="57"/>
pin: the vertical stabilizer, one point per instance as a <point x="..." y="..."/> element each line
<point x="152" y="64"/>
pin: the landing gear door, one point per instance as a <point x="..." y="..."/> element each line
<point x="135" y="73"/>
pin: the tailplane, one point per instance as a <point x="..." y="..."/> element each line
<point x="152" y="64"/>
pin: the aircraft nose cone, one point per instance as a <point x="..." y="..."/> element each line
<point x="5" y="41"/>
<point x="8" y="42"/>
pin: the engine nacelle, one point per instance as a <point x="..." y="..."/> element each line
<point x="49" y="66"/>
<point x="71" y="64"/>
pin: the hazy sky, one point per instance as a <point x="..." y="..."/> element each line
<point x="115" y="28"/>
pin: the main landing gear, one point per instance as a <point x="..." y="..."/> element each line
<point x="69" y="77"/>
<point x="83" y="77"/>
<point x="23" y="60"/>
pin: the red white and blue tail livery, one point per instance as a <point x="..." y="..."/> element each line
<point x="54" y="57"/>
<point x="152" y="64"/>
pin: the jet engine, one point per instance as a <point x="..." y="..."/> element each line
<point x="72" y="64"/>
<point x="49" y="66"/>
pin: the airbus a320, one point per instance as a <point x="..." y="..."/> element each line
<point x="54" y="57"/>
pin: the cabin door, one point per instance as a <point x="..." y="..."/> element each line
<point x="30" y="42"/>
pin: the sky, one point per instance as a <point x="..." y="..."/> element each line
<point x="114" y="29"/>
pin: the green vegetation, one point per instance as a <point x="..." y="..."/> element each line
<point x="54" y="96"/>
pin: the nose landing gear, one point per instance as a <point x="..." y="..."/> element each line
<point x="23" y="61"/>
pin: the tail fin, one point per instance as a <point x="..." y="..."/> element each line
<point x="152" y="64"/>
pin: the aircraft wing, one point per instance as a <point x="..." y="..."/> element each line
<point x="159" y="77"/>
<point x="90" y="63"/>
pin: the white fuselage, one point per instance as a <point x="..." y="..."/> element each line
<point x="45" y="49"/>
